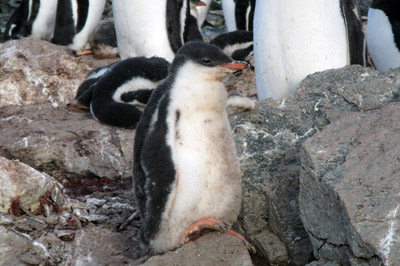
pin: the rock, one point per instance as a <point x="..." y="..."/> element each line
<point x="212" y="249"/>
<point x="34" y="71"/>
<point x="271" y="247"/>
<point x="24" y="189"/>
<point x="350" y="191"/>
<point x="268" y="140"/>
<point x="323" y="263"/>
<point x="67" y="145"/>
<point x="99" y="246"/>
<point x="12" y="245"/>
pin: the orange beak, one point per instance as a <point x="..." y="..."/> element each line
<point x="237" y="65"/>
<point x="201" y="3"/>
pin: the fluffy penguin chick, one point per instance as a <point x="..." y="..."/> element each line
<point x="185" y="163"/>
<point x="117" y="93"/>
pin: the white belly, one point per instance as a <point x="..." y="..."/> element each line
<point x="380" y="41"/>
<point x="141" y="28"/>
<point x="43" y="26"/>
<point x="228" y="7"/>
<point x="295" y="38"/>
<point x="95" y="11"/>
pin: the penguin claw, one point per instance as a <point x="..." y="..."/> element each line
<point x="249" y="246"/>
<point x="195" y="230"/>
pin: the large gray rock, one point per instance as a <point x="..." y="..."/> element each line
<point x="350" y="188"/>
<point x="65" y="144"/>
<point x="35" y="72"/>
<point x="12" y="246"/>
<point x="268" y="140"/>
<point x="212" y="249"/>
<point x="25" y="190"/>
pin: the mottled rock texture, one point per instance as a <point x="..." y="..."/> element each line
<point x="350" y="189"/>
<point x="269" y="139"/>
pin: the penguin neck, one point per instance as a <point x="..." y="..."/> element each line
<point x="199" y="88"/>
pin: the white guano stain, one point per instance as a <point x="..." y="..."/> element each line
<point x="386" y="243"/>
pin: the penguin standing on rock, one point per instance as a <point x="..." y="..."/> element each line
<point x="186" y="173"/>
<point x="383" y="33"/>
<point x="153" y="27"/>
<point x="294" y="38"/>
<point x="76" y="22"/>
<point x="34" y="19"/>
<point x="118" y="93"/>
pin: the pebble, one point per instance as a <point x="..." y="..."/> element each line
<point x="6" y="219"/>
<point x="66" y="235"/>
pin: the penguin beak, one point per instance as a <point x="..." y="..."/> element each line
<point x="237" y="65"/>
<point x="200" y="3"/>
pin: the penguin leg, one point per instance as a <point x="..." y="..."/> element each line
<point x="83" y="52"/>
<point x="215" y="224"/>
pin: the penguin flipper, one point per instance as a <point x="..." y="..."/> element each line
<point x="64" y="29"/>
<point x="355" y="35"/>
<point x="15" y="27"/>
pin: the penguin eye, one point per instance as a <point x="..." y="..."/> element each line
<point x="206" y="61"/>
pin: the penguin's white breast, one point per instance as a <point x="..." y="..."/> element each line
<point x="380" y="40"/>
<point x="141" y="28"/>
<point x="293" y="39"/>
<point x="43" y="26"/>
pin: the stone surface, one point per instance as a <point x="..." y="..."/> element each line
<point x="350" y="189"/>
<point x="212" y="249"/>
<point x="35" y="72"/>
<point x="65" y="144"/>
<point x="269" y="138"/>
<point x="12" y="245"/>
<point x="25" y="190"/>
<point x="271" y="247"/>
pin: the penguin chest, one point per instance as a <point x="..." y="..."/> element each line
<point x="380" y="40"/>
<point x="208" y="177"/>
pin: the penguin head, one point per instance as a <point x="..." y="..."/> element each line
<point x="207" y="58"/>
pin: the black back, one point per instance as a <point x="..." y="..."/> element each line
<point x="64" y="29"/>
<point x="151" y="152"/>
<point x="21" y="20"/>
<point x="120" y="114"/>
<point x="354" y="31"/>
<point x="392" y="10"/>
<point x="234" y="37"/>
<point x="174" y="24"/>
<point x="244" y="21"/>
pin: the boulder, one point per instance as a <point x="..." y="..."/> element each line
<point x="12" y="245"/>
<point x="26" y="190"/>
<point x="269" y="138"/>
<point x="34" y="71"/>
<point x="212" y="249"/>
<point x="350" y="189"/>
<point x="65" y="144"/>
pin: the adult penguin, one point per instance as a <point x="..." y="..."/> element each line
<point x="76" y="22"/>
<point x="117" y="93"/>
<point x="186" y="172"/>
<point x="34" y="19"/>
<point x="153" y="27"/>
<point x="383" y="33"/>
<point x="238" y="14"/>
<point x="293" y="39"/>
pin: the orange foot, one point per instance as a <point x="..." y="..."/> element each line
<point x="83" y="52"/>
<point x="195" y="230"/>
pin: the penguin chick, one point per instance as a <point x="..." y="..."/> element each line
<point x="383" y="33"/>
<point x="76" y="22"/>
<point x="186" y="172"/>
<point x="34" y="19"/>
<point x="117" y="93"/>
<point x="237" y="44"/>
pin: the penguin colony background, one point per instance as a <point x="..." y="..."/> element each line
<point x="168" y="86"/>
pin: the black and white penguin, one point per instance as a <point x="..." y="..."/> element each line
<point x="238" y="14"/>
<point x="293" y="39"/>
<point x="383" y="33"/>
<point x="153" y="27"/>
<point x="76" y="22"/>
<point x="237" y="44"/>
<point x="117" y="93"/>
<point x="186" y="173"/>
<point x="199" y="10"/>
<point x="32" y="18"/>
